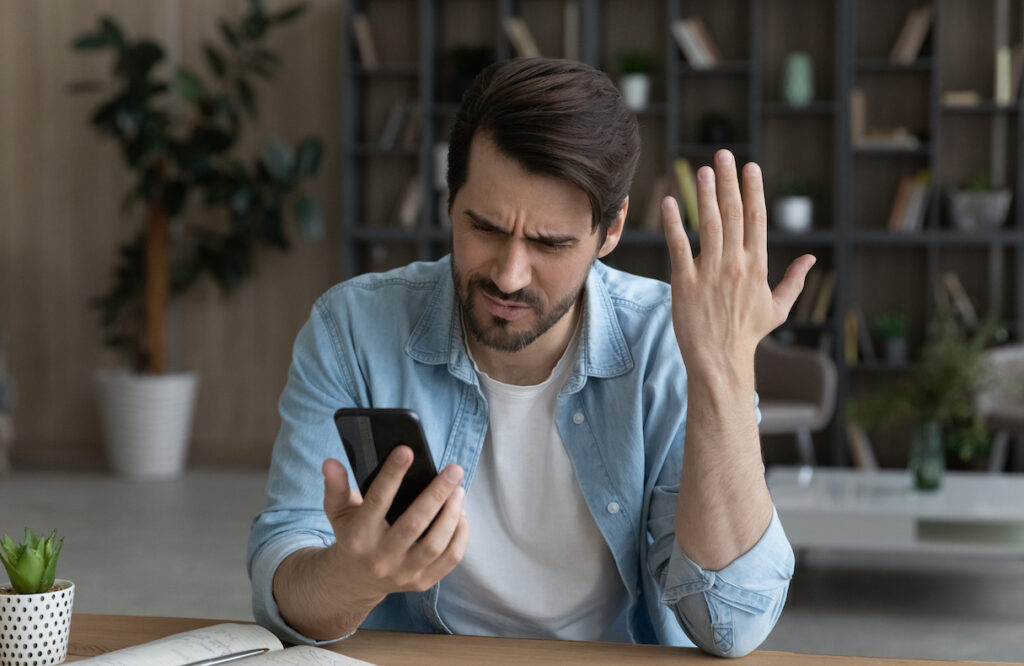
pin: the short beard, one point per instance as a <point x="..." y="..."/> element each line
<point x="499" y="337"/>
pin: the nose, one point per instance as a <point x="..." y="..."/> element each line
<point x="511" y="271"/>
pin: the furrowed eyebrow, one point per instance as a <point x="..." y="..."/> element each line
<point x="486" y="225"/>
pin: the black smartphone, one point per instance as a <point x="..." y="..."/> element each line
<point x="369" y="436"/>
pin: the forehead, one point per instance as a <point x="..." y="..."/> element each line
<point x="502" y="190"/>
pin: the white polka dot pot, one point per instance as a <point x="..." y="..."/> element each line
<point x="34" y="628"/>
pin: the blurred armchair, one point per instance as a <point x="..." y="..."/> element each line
<point x="1001" y="402"/>
<point x="797" y="390"/>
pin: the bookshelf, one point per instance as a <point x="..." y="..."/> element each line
<point x="849" y="41"/>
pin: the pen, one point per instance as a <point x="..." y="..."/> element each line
<point x="228" y="657"/>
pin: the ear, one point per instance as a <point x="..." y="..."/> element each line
<point x="614" y="230"/>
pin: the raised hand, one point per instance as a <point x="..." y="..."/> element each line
<point x="722" y="305"/>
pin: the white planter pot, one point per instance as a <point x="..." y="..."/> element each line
<point x="636" y="91"/>
<point x="148" y="421"/>
<point x="794" y="214"/>
<point x="34" y="628"/>
<point x="972" y="211"/>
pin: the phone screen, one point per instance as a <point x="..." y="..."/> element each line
<point x="369" y="436"/>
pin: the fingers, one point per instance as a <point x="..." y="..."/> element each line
<point x="451" y="556"/>
<point x="338" y="495"/>
<point x="679" y="250"/>
<point x="710" y="217"/>
<point x="436" y="540"/>
<point x="416" y="519"/>
<point x="730" y="203"/>
<point x="755" y="212"/>
<point x="381" y="492"/>
<point x="785" y="293"/>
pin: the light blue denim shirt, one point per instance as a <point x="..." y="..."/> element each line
<point x="394" y="340"/>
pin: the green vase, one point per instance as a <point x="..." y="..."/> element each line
<point x="927" y="457"/>
<point x="798" y="79"/>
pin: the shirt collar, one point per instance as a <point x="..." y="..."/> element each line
<point x="437" y="336"/>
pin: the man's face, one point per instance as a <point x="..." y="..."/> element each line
<point x="522" y="246"/>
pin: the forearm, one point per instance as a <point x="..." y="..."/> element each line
<point x="308" y="601"/>
<point x="724" y="506"/>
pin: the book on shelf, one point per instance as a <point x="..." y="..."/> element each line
<point x="652" y="216"/>
<point x="686" y="181"/>
<point x="823" y="299"/>
<point x="228" y="642"/>
<point x="364" y="40"/>
<point x="393" y="125"/>
<point x="961" y="98"/>
<point x="943" y="306"/>
<point x="1009" y="61"/>
<point x="861" y="453"/>
<point x="858" y="116"/>
<point x="518" y="32"/>
<point x="407" y="210"/>
<point x="896" y="137"/>
<point x="850" y="338"/>
<point x="910" y="204"/>
<point x="694" y="41"/>
<point x="911" y="38"/>
<point x="960" y="301"/>
<point x="864" y="342"/>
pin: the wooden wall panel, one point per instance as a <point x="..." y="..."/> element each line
<point x="60" y="223"/>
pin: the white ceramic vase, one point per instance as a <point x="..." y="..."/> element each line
<point x="794" y="214"/>
<point x="636" y="91"/>
<point x="34" y="628"/>
<point x="148" y="421"/>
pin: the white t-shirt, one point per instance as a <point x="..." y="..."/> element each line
<point x="536" y="565"/>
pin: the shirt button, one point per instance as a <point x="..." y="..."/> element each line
<point x="577" y="418"/>
<point x="613" y="507"/>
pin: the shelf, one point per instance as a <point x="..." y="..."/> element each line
<point x="813" y="237"/>
<point x="924" y="150"/>
<point x="942" y="237"/>
<point x="985" y="107"/>
<point x="729" y="67"/>
<point x="816" y="108"/>
<point x="685" y="149"/>
<point x="370" y="150"/>
<point x="398" y="234"/>
<point x="886" y="66"/>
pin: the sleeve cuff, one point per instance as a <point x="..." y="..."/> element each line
<point x="265" y="563"/>
<point x="751" y="582"/>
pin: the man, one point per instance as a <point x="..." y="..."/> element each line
<point x="614" y="492"/>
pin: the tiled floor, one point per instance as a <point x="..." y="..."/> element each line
<point x="178" y="548"/>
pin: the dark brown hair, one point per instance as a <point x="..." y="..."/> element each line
<point x="556" y="117"/>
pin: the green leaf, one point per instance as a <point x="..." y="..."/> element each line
<point x="31" y="540"/>
<point x="309" y="216"/>
<point x="257" y="7"/>
<point x="230" y="35"/>
<point x="214" y="60"/>
<point x="188" y="85"/>
<point x="136" y="61"/>
<point x="212" y="139"/>
<point x="247" y="96"/>
<point x="27" y="574"/>
<point x="309" y="157"/>
<point x="255" y="26"/>
<point x="279" y="159"/>
<point x="107" y="35"/>
<point x="50" y="573"/>
<point x="10" y="548"/>
<point x="289" y="13"/>
<point x="175" y="195"/>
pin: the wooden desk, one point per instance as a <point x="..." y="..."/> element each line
<point x="95" y="634"/>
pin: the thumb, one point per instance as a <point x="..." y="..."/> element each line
<point x="338" y="495"/>
<point x="792" y="284"/>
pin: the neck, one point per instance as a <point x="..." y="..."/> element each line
<point x="533" y="364"/>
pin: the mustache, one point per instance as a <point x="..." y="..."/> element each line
<point x="522" y="296"/>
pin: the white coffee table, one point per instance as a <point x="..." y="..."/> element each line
<point x="973" y="513"/>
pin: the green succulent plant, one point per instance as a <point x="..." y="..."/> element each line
<point x="31" y="566"/>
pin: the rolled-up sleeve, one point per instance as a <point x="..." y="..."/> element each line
<point x="729" y="612"/>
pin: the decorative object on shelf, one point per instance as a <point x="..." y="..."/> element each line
<point x="177" y="132"/>
<point x="519" y="34"/>
<point x="798" y="79"/>
<point x="715" y="128"/>
<point x="927" y="460"/>
<point x="635" y="69"/>
<point x="695" y="42"/>
<point x="35" y="608"/>
<point x="910" y="204"/>
<point x="794" y="204"/>
<point x="365" y="43"/>
<point x="460" y="66"/>
<point x="912" y="36"/>
<point x="7" y="394"/>
<point x="938" y="389"/>
<point x="976" y="206"/>
<point x="892" y="328"/>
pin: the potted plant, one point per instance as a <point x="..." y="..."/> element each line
<point x="35" y="608"/>
<point x="975" y="205"/>
<point x="794" y="204"/>
<point x="177" y="132"/>
<point x="936" y="399"/>
<point x="892" y="328"/>
<point x="635" y="69"/>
